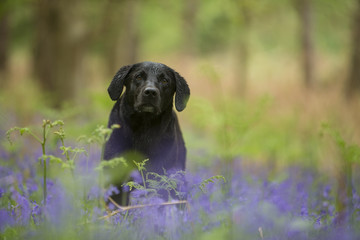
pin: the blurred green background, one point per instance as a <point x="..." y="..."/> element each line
<point x="264" y="75"/>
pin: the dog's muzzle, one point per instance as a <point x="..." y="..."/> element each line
<point x="148" y="101"/>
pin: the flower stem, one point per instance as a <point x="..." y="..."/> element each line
<point x="44" y="160"/>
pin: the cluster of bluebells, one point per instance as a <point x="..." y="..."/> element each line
<point x="294" y="206"/>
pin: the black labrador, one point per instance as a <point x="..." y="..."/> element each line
<point x="149" y="128"/>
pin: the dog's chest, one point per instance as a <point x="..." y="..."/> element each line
<point x="150" y="141"/>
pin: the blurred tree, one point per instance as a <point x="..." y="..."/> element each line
<point x="4" y="41"/>
<point x="243" y="22"/>
<point x="305" y="12"/>
<point x="59" y="47"/>
<point x="121" y="33"/>
<point x="189" y="25"/>
<point x="353" y="82"/>
<point x="214" y="26"/>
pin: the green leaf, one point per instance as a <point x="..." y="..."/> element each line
<point x="57" y="123"/>
<point x="210" y="180"/>
<point x="112" y="163"/>
<point x="141" y="165"/>
<point x="72" y="150"/>
<point x="60" y="133"/>
<point x="68" y="164"/>
<point x="51" y="158"/>
<point x="100" y="135"/>
<point x="22" y="131"/>
<point x="134" y="185"/>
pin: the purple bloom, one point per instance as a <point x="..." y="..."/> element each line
<point x="31" y="186"/>
<point x="36" y="213"/>
<point x="6" y="219"/>
<point x="110" y="191"/>
<point x="94" y="193"/>
<point x="23" y="208"/>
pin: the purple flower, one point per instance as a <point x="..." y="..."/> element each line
<point x="36" y="213"/>
<point x="94" y="193"/>
<point x="31" y="186"/>
<point x="110" y="191"/>
<point x="6" y="219"/>
<point x="23" y="208"/>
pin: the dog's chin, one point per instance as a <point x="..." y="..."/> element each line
<point x="147" y="108"/>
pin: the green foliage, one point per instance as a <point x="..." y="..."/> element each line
<point x="229" y="122"/>
<point x="100" y="135"/>
<point x="213" y="15"/>
<point x="210" y="180"/>
<point x="349" y="152"/>
<point x="161" y="34"/>
<point x="349" y="155"/>
<point x="168" y="183"/>
<point x="113" y="163"/>
<point x="141" y="165"/>
<point x="134" y="185"/>
<point x="154" y="182"/>
<point x="46" y="126"/>
<point x="234" y="128"/>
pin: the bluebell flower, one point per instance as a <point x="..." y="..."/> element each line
<point x="7" y="219"/>
<point x="94" y="193"/>
<point x="2" y="191"/>
<point x="110" y="191"/>
<point x="31" y="186"/>
<point x="36" y="213"/>
<point x="23" y="208"/>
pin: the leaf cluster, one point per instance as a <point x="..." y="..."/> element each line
<point x="212" y="179"/>
<point x="349" y="152"/>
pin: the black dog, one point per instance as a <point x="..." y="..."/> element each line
<point x="149" y="127"/>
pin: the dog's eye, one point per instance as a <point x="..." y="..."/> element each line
<point x="138" y="77"/>
<point x="164" y="80"/>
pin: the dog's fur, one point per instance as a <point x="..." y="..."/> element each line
<point x="148" y="124"/>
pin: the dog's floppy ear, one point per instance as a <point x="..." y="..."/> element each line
<point x="182" y="92"/>
<point x="116" y="86"/>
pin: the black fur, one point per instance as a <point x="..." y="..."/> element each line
<point x="149" y="125"/>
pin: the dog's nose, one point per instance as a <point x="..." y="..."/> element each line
<point x="151" y="92"/>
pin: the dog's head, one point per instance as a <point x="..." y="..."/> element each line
<point x="150" y="87"/>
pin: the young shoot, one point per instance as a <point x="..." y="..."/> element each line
<point x="46" y="126"/>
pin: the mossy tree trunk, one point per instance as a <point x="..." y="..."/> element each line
<point x="190" y="9"/>
<point x="59" y="48"/>
<point x="242" y="46"/>
<point x="353" y="82"/>
<point x="305" y="12"/>
<point x="4" y="46"/>
<point x="122" y="34"/>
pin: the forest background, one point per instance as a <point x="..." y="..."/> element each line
<point x="269" y="79"/>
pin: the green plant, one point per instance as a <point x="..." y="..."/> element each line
<point x="212" y="179"/>
<point x="349" y="155"/>
<point x="46" y="126"/>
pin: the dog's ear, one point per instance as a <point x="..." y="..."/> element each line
<point x="116" y="86"/>
<point x="182" y="92"/>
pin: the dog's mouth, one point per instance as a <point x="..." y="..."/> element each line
<point x="146" y="108"/>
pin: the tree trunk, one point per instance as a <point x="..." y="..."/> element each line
<point x="58" y="49"/>
<point x="304" y="9"/>
<point x="130" y="35"/>
<point x="4" y="47"/>
<point x="241" y="72"/>
<point x="353" y="83"/>
<point x="344" y="193"/>
<point x="189" y="26"/>
<point x="122" y="34"/>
